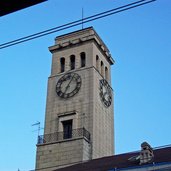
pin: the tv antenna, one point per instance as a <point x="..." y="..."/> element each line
<point x="38" y="125"/>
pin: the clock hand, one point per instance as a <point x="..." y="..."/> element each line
<point x="105" y="95"/>
<point x="68" y="84"/>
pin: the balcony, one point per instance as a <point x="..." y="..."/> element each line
<point x="61" y="136"/>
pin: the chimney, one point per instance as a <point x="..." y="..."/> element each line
<point x="146" y="154"/>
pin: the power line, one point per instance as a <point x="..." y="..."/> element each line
<point x="76" y="23"/>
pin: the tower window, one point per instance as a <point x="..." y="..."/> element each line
<point x="67" y="129"/>
<point x="106" y="73"/>
<point x="62" y="61"/>
<point x="97" y="62"/>
<point x="72" y="62"/>
<point x="102" y="68"/>
<point x="83" y="59"/>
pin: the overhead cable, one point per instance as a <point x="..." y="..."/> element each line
<point x="76" y="23"/>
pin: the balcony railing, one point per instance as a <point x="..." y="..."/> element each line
<point x="60" y="136"/>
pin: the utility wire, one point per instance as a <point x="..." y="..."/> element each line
<point x="76" y="23"/>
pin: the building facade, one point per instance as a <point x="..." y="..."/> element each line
<point x="79" y="119"/>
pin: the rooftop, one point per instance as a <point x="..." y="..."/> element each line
<point x="121" y="161"/>
<point x="9" y="6"/>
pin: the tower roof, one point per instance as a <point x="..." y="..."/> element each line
<point x="81" y="36"/>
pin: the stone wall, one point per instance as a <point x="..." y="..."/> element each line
<point x="61" y="154"/>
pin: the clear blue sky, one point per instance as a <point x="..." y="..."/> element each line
<point x="140" y="43"/>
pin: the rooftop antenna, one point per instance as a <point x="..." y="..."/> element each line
<point x="82" y="18"/>
<point x="38" y="125"/>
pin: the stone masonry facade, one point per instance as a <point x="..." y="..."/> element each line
<point x="85" y="109"/>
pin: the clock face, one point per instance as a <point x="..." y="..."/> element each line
<point x="105" y="93"/>
<point x="68" y="85"/>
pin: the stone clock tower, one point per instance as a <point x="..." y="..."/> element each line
<point x="79" y="109"/>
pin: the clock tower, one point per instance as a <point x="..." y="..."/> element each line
<point x="79" y="108"/>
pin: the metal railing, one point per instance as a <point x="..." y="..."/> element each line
<point x="59" y="136"/>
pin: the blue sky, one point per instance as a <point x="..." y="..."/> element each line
<point x="139" y="41"/>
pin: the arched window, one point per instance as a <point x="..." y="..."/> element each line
<point x="62" y="61"/>
<point x="102" y="68"/>
<point x="72" y="62"/>
<point x="97" y="62"/>
<point x="106" y="74"/>
<point x="83" y="59"/>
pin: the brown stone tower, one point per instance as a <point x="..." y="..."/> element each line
<point x="79" y="109"/>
